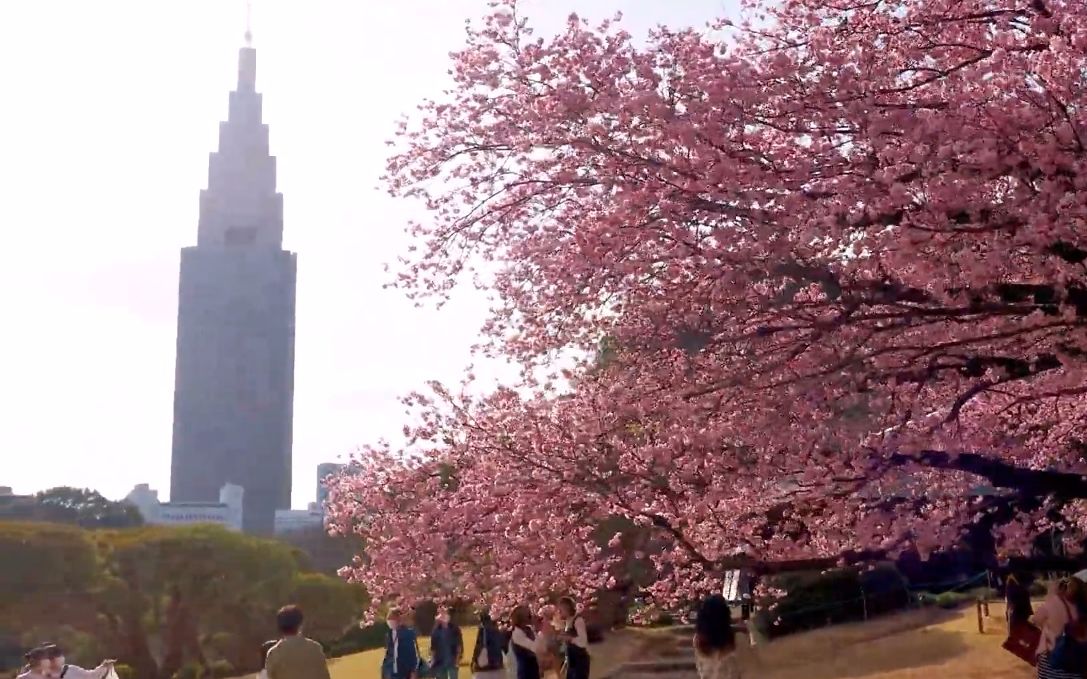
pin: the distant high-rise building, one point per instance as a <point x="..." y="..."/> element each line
<point x="325" y="470"/>
<point x="234" y="388"/>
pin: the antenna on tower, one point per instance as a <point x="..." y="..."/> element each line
<point x="249" y="23"/>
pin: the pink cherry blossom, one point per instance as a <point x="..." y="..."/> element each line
<point x="824" y="282"/>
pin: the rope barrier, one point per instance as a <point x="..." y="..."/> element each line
<point x="955" y="585"/>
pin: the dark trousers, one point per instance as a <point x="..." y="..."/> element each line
<point x="577" y="662"/>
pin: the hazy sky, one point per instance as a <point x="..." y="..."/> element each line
<point x="110" y="110"/>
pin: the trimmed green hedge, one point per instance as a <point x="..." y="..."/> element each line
<point x="818" y="599"/>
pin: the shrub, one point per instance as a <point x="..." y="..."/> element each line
<point x="359" y="639"/>
<point x="124" y="671"/>
<point x="885" y="590"/>
<point x="190" y="671"/>
<point x="951" y="599"/>
<point x="221" y="669"/>
<point x="817" y="599"/>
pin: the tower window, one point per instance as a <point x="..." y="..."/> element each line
<point x="240" y="235"/>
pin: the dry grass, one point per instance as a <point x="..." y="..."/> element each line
<point x="927" y="643"/>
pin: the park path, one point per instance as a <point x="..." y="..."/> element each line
<point x="672" y="657"/>
<point x="919" y="644"/>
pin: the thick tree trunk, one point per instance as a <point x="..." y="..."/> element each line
<point x="180" y="638"/>
<point x="137" y="651"/>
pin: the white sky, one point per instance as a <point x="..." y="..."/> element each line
<point x="110" y="109"/>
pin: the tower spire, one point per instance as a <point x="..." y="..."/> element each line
<point x="247" y="56"/>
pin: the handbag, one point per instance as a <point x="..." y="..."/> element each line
<point x="1022" y="642"/>
<point x="1069" y="654"/>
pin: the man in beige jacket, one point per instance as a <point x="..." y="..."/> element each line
<point x="295" y="656"/>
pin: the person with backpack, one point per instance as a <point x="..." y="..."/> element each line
<point x="1062" y="648"/>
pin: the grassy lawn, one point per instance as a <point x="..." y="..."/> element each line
<point x="914" y="645"/>
<point x="367" y="665"/>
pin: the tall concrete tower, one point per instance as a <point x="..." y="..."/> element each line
<point x="234" y="381"/>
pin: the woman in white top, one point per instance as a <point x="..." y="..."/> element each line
<point x="549" y="644"/>
<point x="61" y="670"/>
<point x="578" y="660"/>
<point x="716" y="651"/>
<point x="523" y="644"/>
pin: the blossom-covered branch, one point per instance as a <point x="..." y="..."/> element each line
<point x="828" y="279"/>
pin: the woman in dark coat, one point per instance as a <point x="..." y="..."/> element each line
<point x="1017" y="597"/>
<point x="487" y="660"/>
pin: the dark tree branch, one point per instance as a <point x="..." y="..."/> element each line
<point x="1000" y="474"/>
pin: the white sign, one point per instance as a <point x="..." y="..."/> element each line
<point x="731" y="588"/>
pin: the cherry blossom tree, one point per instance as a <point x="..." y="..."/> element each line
<point x="834" y="256"/>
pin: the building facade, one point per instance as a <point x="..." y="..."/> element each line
<point x="234" y="379"/>
<point x="228" y="512"/>
<point x="290" y="520"/>
<point x="324" y="471"/>
<point x="17" y="507"/>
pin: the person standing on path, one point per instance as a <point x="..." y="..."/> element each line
<point x="294" y="656"/>
<point x="401" y="648"/>
<point x="446" y="646"/>
<point x="507" y="650"/>
<point x="523" y="644"/>
<point x="1017" y="596"/>
<point x="549" y="644"/>
<point x="578" y="660"/>
<point x="488" y="659"/>
<point x="716" y="651"/>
